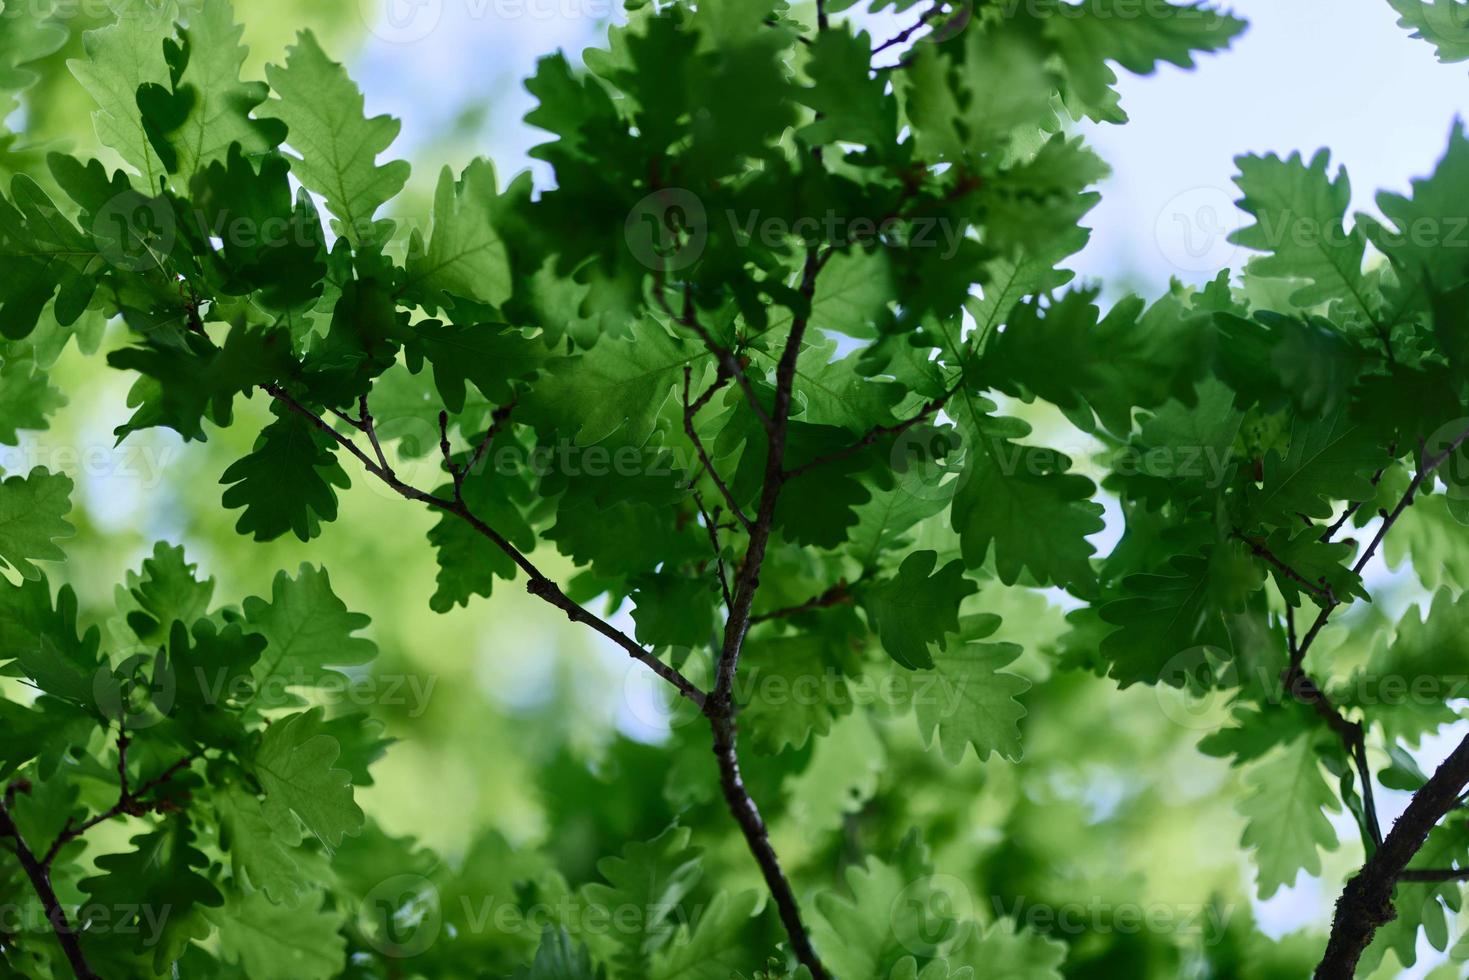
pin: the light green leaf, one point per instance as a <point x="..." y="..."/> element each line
<point x="295" y="767"/>
<point x="337" y="146"/>
<point x="465" y="257"/>
<point x="1284" y="820"/>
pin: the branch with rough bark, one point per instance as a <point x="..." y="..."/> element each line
<point x="37" y="868"/>
<point x="1366" y="901"/>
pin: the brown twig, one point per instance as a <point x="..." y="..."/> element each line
<point x="711" y="524"/>
<point x="720" y="707"/>
<point x="927" y="411"/>
<point x="690" y="409"/>
<point x="1262" y="550"/>
<point x="838" y="595"/>
<point x="1435" y="874"/>
<point x="132" y="803"/>
<point x="902" y="36"/>
<point x="537" y="584"/>
<point x="40" y="877"/>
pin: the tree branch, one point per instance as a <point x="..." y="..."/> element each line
<point x="1435" y="874"/>
<point x="838" y="595"/>
<point x="128" y="802"/>
<point x="729" y="363"/>
<point x="904" y="35"/>
<point x="537" y="584"/>
<point x="690" y="409"/>
<point x="711" y="524"/>
<point x="1425" y="468"/>
<point x="40" y="878"/>
<point x="1261" y="550"/>
<point x="928" y="411"/>
<point x="1366" y="901"/>
<point x="720" y="707"/>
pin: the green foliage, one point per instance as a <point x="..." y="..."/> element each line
<point x="767" y="388"/>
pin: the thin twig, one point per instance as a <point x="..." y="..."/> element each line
<point x="1435" y="874"/>
<point x="368" y="427"/>
<point x="537" y="584"/>
<point x="927" y="411"/>
<point x="1261" y="550"/>
<point x="690" y="409"/>
<point x="904" y="35"/>
<point x="728" y="361"/>
<point x="132" y="803"/>
<point x="498" y="418"/>
<point x="838" y="595"/>
<point x="711" y="524"/>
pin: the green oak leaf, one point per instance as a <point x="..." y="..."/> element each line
<point x="918" y="607"/>
<point x="336" y="145"/>
<point x="295" y="764"/>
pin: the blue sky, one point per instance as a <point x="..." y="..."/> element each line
<point x="1307" y="74"/>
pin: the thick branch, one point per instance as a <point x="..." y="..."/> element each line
<point x="40" y="878"/>
<point x="1366" y="902"/>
